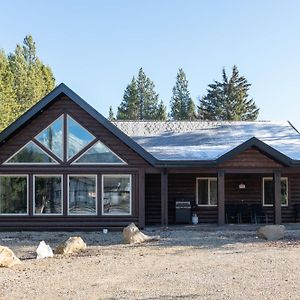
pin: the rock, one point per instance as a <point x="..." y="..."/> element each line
<point x="132" y="235"/>
<point x="43" y="251"/>
<point x="74" y="244"/>
<point x="8" y="258"/>
<point x="271" y="232"/>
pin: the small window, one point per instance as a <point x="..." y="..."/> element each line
<point x="82" y="195"/>
<point x="207" y="191"/>
<point x="13" y="194"/>
<point x="78" y="137"/>
<point x="268" y="191"/>
<point x="47" y="194"/>
<point x="116" y="194"/>
<point x="52" y="137"/>
<point x="99" y="154"/>
<point x="31" y="153"/>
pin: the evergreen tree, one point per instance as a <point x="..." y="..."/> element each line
<point x="182" y="105"/>
<point x="111" y="116"/>
<point x="24" y="80"/>
<point x="140" y="101"/>
<point x="228" y="100"/>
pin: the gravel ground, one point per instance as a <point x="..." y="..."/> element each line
<point x="184" y="264"/>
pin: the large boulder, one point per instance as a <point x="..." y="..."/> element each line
<point x="8" y="258"/>
<point x="43" y="251"/>
<point x="74" y="244"/>
<point x="271" y="232"/>
<point x="132" y="235"/>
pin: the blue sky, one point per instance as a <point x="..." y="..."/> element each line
<point x="95" y="47"/>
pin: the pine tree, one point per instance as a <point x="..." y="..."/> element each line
<point x="182" y="105"/>
<point x="228" y="100"/>
<point x="111" y="116"/>
<point x="140" y="101"/>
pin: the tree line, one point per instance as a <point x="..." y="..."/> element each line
<point x="224" y="100"/>
<point x="25" y="79"/>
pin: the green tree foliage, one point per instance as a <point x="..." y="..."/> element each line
<point x="24" y="80"/>
<point x="182" y="105"/>
<point x="228" y="100"/>
<point x="111" y="116"/>
<point x="140" y="101"/>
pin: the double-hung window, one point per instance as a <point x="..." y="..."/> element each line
<point x="206" y="191"/>
<point x="268" y="191"/>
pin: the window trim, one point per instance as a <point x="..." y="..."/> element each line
<point x="95" y="163"/>
<point x="68" y="194"/>
<point x="63" y="137"/>
<point x="67" y="138"/>
<point x="263" y="191"/>
<point x="30" y="163"/>
<point x="27" y="193"/>
<point x="33" y="194"/>
<point x="102" y="195"/>
<point x="208" y="191"/>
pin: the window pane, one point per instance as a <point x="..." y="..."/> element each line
<point x="202" y="191"/>
<point x="31" y="153"/>
<point x="117" y="194"/>
<point x="13" y="194"/>
<point x="213" y="192"/>
<point x="78" y="137"/>
<point x="268" y="191"/>
<point x="99" y="154"/>
<point x="284" y="192"/>
<point x="52" y="137"/>
<point x="48" y="195"/>
<point x="82" y="195"/>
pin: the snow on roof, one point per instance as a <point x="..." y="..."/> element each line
<point x="198" y="140"/>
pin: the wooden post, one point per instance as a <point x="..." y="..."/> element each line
<point x="141" y="183"/>
<point x="164" y="198"/>
<point x="221" y="198"/>
<point x="277" y="197"/>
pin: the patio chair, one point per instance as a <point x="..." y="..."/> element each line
<point x="258" y="215"/>
<point x="244" y="213"/>
<point x="232" y="214"/>
<point x="297" y="212"/>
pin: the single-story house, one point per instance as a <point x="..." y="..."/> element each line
<point x="64" y="165"/>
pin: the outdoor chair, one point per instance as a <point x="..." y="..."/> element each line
<point x="297" y="212"/>
<point x="244" y="214"/>
<point x="232" y="214"/>
<point x="258" y="215"/>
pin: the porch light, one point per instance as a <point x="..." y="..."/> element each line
<point x="242" y="186"/>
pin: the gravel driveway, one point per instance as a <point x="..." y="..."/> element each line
<point x="184" y="264"/>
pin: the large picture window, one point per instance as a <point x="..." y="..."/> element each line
<point x="268" y="191"/>
<point x="47" y="194"/>
<point x="116" y="194"/>
<point x="207" y="191"/>
<point x="14" y="194"/>
<point x="82" y="194"/>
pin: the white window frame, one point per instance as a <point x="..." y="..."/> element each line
<point x="30" y="163"/>
<point x="209" y="179"/>
<point x="68" y="194"/>
<point x="102" y="194"/>
<point x="33" y="191"/>
<point x="287" y="190"/>
<point x="63" y="136"/>
<point x="92" y="163"/>
<point x="67" y="137"/>
<point x="27" y="193"/>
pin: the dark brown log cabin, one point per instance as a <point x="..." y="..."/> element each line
<point x="64" y="166"/>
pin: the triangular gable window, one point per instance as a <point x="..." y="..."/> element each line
<point x="31" y="154"/>
<point x="78" y="137"/>
<point x="99" y="154"/>
<point x="52" y="138"/>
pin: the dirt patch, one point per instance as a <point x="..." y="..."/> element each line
<point x="184" y="264"/>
